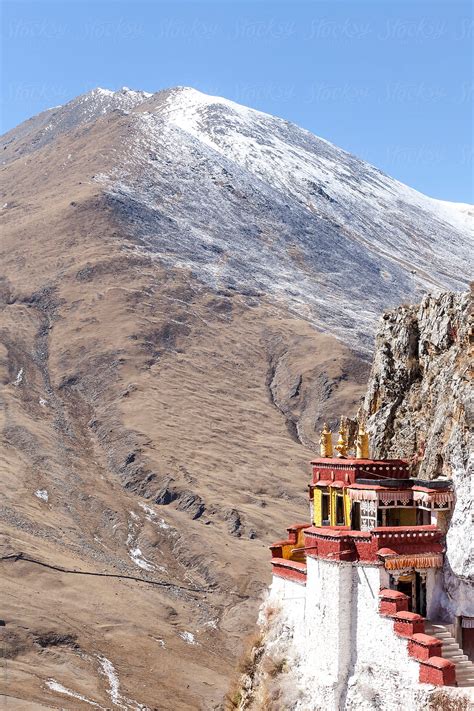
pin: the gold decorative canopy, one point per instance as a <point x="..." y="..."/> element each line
<point x="362" y="443"/>
<point x="325" y="441"/>
<point x="341" y="446"/>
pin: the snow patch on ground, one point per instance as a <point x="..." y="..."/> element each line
<point x="160" y="641"/>
<point x="60" y="689"/>
<point x="19" y="377"/>
<point x="188" y="637"/>
<point x="212" y="623"/>
<point x="42" y="494"/>
<point x="134" y="550"/>
<point x="138" y="559"/>
<point x="109" y="671"/>
<point x="152" y="516"/>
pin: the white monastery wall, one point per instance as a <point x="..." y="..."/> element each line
<point x="291" y="598"/>
<point x="343" y="655"/>
<point x="382" y="674"/>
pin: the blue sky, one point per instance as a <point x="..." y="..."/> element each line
<point x="389" y="81"/>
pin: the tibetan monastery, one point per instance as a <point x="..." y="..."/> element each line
<point x="365" y="577"/>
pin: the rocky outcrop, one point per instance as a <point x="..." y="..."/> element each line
<point x="417" y="400"/>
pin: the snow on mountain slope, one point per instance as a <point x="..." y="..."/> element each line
<point x="44" y="128"/>
<point x="192" y="111"/>
<point x="250" y="201"/>
<point x="130" y="381"/>
<point x="253" y="203"/>
<point x="460" y="213"/>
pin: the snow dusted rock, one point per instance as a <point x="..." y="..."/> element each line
<point x="44" y="128"/>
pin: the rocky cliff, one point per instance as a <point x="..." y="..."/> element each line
<point x="419" y="406"/>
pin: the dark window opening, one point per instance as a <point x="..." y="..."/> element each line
<point x="393" y="517"/>
<point x="420" y="595"/>
<point x="467" y="642"/>
<point x="355" y="516"/>
<point x="423" y="517"/>
<point x="339" y="510"/>
<point x="406" y="587"/>
<point x="325" y="509"/>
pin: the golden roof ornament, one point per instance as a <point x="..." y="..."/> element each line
<point x="341" y="446"/>
<point x="325" y="441"/>
<point x="362" y="442"/>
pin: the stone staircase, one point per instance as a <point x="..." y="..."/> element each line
<point x="452" y="651"/>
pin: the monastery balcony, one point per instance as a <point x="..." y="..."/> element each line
<point x="382" y="544"/>
<point x="409" y="540"/>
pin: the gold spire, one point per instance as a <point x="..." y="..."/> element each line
<point x="362" y="448"/>
<point x="341" y="446"/>
<point x="325" y="441"/>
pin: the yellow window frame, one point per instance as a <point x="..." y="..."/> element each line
<point x="318" y="507"/>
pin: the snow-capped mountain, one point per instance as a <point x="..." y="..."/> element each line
<point x="254" y="203"/>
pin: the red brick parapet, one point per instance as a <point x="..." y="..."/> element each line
<point x="339" y="543"/>
<point x="407" y="623"/>
<point x="289" y="569"/>
<point x="438" y="671"/>
<point x="409" y="539"/>
<point x="347" y="471"/>
<point x="423" y="646"/>
<point x="387" y="542"/>
<point x="392" y="601"/>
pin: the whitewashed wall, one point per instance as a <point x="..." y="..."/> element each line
<point x="344" y="655"/>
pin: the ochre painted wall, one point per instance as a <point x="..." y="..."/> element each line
<point x="289" y="550"/>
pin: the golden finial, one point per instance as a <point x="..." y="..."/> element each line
<point x="362" y="443"/>
<point x="325" y="441"/>
<point x="341" y="446"/>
